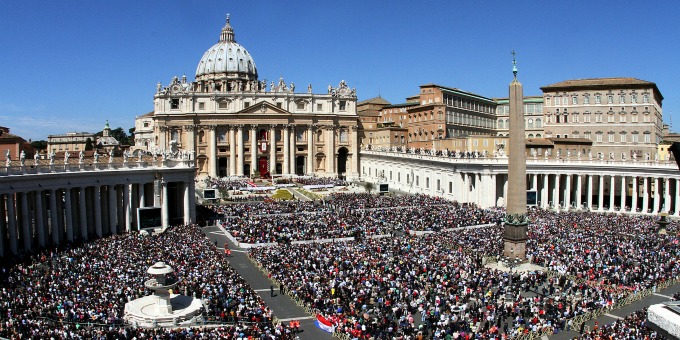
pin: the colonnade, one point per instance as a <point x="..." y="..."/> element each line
<point x="49" y="209"/>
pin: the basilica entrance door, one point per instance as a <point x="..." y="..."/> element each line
<point x="262" y="167"/>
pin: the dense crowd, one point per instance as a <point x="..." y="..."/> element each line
<point x="307" y="180"/>
<point x="228" y="183"/>
<point x="436" y="284"/>
<point x="81" y="292"/>
<point x="631" y="327"/>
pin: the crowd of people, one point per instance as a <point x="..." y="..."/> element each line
<point x="81" y="291"/>
<point x="228" y="183"/>
<point x="437" y="284"/>
<point x="310" y="180"/>
<point x="631" y="327"/>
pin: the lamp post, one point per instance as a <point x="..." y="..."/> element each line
<point x="512" y="262"/>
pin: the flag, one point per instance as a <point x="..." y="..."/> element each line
<point x="324" y="324"/>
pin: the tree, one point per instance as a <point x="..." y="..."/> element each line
<point x="120" y="136"/>
<point x="368" y="186"/>
<point x="88" y="144"/>
<point x="132" y="136"/>
<point x="39" y="145"/>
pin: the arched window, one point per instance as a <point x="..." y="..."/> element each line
<point x="538" y="123"/>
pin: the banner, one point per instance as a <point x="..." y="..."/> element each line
<point x="324" y="324"/>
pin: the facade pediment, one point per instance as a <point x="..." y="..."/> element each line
<point x="263" y="107"/>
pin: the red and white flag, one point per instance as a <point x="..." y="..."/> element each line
<point x="324" y="324"/>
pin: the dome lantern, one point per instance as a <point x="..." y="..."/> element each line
<point x="227" y="32"/>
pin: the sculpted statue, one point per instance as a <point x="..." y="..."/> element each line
<point x="22" y="157"/>
<point x="96" y="156"/>
<point x="159" y="87"/>
<point x="647" y="156"/>
<point x="81" y="156"/>
<point x="330" y="89"/>
<point x="191" y="154"/>
<point x="111" y="156"/>
<point x="66" y="156"/>
<point x="7" y="155"/>
<point x="578" y="155"/>
<point x="568" y="154"/>
<point x="623" y="156"/>
<point x="272" y="86"/>
<point x="125" y="156"/>
<point x="557" y="154"/>
<point x="309" y="88"/>
<point x="263" y="86"/>
<point x="139" y="155"/>
<point x="590" y="155"/>
<point x="292" y="87"/>
<point x="656" y="157"/>
<point x="52" y="156"/>
<point x="36" y="158"/>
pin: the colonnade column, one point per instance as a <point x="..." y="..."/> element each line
<point x="666" y="195"/>
<point x="623" y="193"/>
<point x="657" y="195"/>
<point x="310" y="150"/>
<point x="567" y="192"/>
<point x="272" y="149"/>
<point x="579" y="183"/>
<point x="83" y="214"/>
<point x="212" y="148"/>
<point x="544" y="190"/>
<point x="113" y="211"/>
<point x="12" y="224"/>
<point x="232" y="151"/>
<point x="25" y="225"/>
<point x="634" y="199"/>
<point x="98" y="210"/>
<point x="556" y="192"/>
<point x="165" y="217"/>
<point x="191" y="137"/>
<point x="54" y="223"/>
<point x="253" y="149"/>
<point x="589" y="192"/>
<point x="645" y="195"/>
<point x="69" y="214"/>
<point x="612" y="192"/>
<point x="600" y="196"/>
<point x="676" y="208"/>
<point x="534" y="182"/>
<point x="355" y="152"/>
<point x="286" y="147"/>
<point x="39" y="220"/>
<point x="3" y="224"/>
<point x="187" y="204"/>
<point x="241" y="150"/>
<point x="126" y="207"/>
<point x="330" y="140"/>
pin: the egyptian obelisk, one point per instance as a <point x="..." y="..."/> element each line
<point x="515" y="231"/>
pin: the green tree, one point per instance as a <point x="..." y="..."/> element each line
<point x="120" y="135"/>
<point x="39" y="145"/>
<point x="131" y="139"/>
<point x="368" y="186"/>
<point x="88" y="144"/>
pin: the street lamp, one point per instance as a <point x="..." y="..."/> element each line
<point x="512" y="262"/>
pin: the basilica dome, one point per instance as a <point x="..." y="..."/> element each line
<point x="226" y="59"/>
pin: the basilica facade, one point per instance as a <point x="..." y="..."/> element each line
<point x="237" y="125"/>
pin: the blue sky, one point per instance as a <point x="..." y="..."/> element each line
<point x="70" y="65"/>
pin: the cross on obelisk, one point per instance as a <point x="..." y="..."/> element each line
<point x="516" y="221"/>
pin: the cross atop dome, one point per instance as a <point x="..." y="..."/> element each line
<point x="227" y="32"/>
<point x="514" y="62"/>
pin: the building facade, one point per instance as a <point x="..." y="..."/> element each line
<point x="236" y="124"/>
<point x="14" y="145"/>
<point x="70" y="141"/>
<point x="621" y="116"/>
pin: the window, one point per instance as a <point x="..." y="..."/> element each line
<point x="299" y="134"/>
<point x="610" y="117"/>
<point x="246" y="104"/>
<point x="300" y="105"/>
<point x="586" y="99"/>
<point x="611" y="137"/>
<point x="427" y="182"/>
<point x="610" y="99"/>
<point x="450" y="187"/>
<point x="645" y="98"/>
<point x="598" y="117"/>
<point x="223" y="105"/>
<point x="319" y="107"/>
<point x="547" y="101"/>
<point x="634" y="137"/>
<point x="343" y="136"/>
<point x="201" y="105"/>
<point x="174" y="104"/>
<point x="343" y="105"/>
<point x="623" y="137"/>
<point x="174" y="135"/>
<point x="648" y="137"/>
<point x="634" y="117"/>
<point x="622" y="99"/>
<point x="564" y="100"/>
<point x="586" y="117"/>
<point x="598" y="100"/>
<point x="574" y="100"/>
<point x="574" y="117"/>
<point x="633" y="98"/>
<point x="587" y="135"/>
<point x="146" y="124"/>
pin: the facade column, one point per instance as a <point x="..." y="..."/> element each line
<point x="25" y="225"/>
<point x="212" y="149"/>
<point x="657" y="195"/>
<point x="567" y="192"/>
<point x="232" y="151"/>
<point x="12" y="224"/>
<point x="600" y="196"/>
<point x="286" y="149"/>
<point x="126" y="207"/>
<point x="544" y="191"/>
<point x="3" y="224"/>
<point x="54" y="223"/>
<point x="162" y="134"/>
<point x="241" y="151"/>
<point x="165" y="217"/>
<point x="293" y="136"/>
<point x="310" y="150"/>
<point x="113" y="210"/>
<point x="39" y="220"/>
<point x="253" y="149"/>
<point x="355" y="152"/>
<point x="634" y="199"/>
<point x="272" y="149"/>
<point x="666" y="195"/>
<point x="676" y="208"/>
<point x="140" y="191"/>
<point x="191" y="137"/>
<point x="589" y="192"/>
<point x="192" y="202"/>
<point x="68" y="209"/>
<point x="330" y="137"/>
<point x="612" y="192"/>
<point x="579" y="183"/>
<point x="82" y="205"/>
<point x="534" y="182"/>
<point x="623" y="193"/>
<point x="645" y="195"/>
<point x="187" y="204"/>
<point x="557" y="193"/>
<point x="98" y="210"/>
